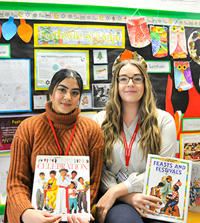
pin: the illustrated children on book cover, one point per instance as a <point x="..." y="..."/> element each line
<point x="168" y="179"/>
<point x="194" y="205"/>
<point x="61" y="185"/>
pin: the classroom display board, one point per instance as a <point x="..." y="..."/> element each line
<point x="39" y="48"/>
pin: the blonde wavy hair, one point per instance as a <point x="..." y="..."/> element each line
<point x="150" y="141"/>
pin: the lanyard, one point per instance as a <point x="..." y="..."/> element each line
<point x="70" y="141"/>
<point x="128" y="149"/>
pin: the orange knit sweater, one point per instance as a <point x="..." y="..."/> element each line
<point x="35" y="137"/>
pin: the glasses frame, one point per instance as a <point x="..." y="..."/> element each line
<point x="131" y="78"/>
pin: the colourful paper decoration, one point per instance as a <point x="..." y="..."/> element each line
<point x="159" y="41"/>
<point x="9" y="29"/>
<point x="168" y="103"/>
<point x="0" y="31"/>
<point x="138" y="32"/>
<point x="182" y="75"/>
<point x="25" y="31"/>
<point x="193" y="108"/>
<point x="177" y="44"/>
<point x="193" y="45"/>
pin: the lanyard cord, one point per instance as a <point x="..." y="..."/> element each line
<point x="128" y="149"/>
<point x="70" y="141"/>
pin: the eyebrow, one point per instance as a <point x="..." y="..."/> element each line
<point x="133" y="74"/>
<point x="61" y="85"/>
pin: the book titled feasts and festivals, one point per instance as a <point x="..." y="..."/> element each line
<point x="169" y="179"/>
<point x="62" y="185"/>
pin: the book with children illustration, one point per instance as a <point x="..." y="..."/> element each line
<point x="169" y="179"/>
<point x="62" y="185"/>
<point x="194" y="205"/>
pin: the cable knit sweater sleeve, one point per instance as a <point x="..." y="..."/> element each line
<point x="19" y="181"/>
<point x="96" y="145"/>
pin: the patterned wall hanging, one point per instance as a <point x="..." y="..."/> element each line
<point x="182" y="75"/>
<point x="177" y="43"/>
<point x="159" y="41"/>
<point x="138" y="32"/>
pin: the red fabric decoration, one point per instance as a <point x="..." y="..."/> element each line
<point x="193" y="109"/>
<point x="126" y="55"/>
<point x="168" y="104"/>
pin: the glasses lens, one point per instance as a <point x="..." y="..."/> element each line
<point x="123" y="79"/>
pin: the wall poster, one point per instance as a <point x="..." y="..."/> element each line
<point x="48" y="62"/>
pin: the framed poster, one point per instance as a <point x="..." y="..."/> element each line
<point x="74" y="35"/>
<point x="15" y="88"/>
<point x="48" y="62"/>
<point x="100" y="95"/>
<point x="190" y="146"/>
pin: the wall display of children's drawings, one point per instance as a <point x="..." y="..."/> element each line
<point x="190" y="146"/>
<point x="100" y="72"/>
<point x="159" y="41"/>
<point x="15" y="88"/>
<point x="182" y="75"/>
<point x="177" y="42"/>
<point x="48" y="62"/>
<point x="194" y="205"/>
<point x="62" y="185"/>
<point x="169" y="179"/>
<point x="138" y="32"/>
<point x="100" y="56"/>
<point x="100" y="95"/>
<point x="39" y="101"/>
<point x="5" y="51"/>
<point x="4" y="167"/>
<point x="8" y="127"/>
<point x="86" y="101"/>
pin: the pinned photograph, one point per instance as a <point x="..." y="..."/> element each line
<point x="100" y="95"/>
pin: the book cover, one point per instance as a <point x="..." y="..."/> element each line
<point x="194" y="205"/>
<point x="62" y="185"/>
<point x="169" y="179"/>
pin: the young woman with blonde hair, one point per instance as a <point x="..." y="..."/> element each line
<point x="133" y="127"/>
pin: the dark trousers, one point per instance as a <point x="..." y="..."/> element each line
<point x="127" y="214"/>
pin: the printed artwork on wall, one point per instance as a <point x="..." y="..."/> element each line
<point x="194" y="46"/>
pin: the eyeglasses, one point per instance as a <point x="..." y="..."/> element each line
<point x="137" y="79"/>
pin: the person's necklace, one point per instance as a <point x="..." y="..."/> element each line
<point x="70" y="141"/>
<point x="128" y="149"/>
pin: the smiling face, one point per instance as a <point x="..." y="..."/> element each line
<point x="65" y="96"/>
<point x="132" y="91"/>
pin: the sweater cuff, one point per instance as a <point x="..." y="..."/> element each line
<point x="131" y="188"/>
